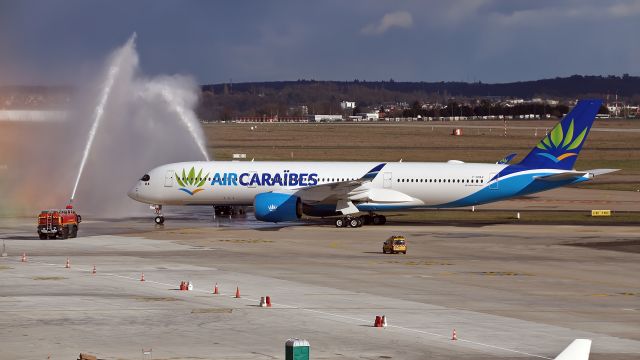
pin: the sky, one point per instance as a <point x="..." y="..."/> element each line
<point x="61" y="42"/>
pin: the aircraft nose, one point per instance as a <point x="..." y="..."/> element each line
<point x="133" y="192"/>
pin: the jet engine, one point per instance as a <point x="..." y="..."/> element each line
<point x="276" y="207"/>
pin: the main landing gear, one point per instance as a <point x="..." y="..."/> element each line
<point x="159" y="219"/>
<point x="354" y="222"/>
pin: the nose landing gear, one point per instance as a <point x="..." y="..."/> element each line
<point x="159" y="219"/>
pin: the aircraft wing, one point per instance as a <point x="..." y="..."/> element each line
<point x="343" y="193"/>
<point x="568" y="175"/>
<point x="338" y="189"/>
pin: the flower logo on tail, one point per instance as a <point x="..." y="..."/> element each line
<point x="190" y="182"/>
<point x="559" y="142"/>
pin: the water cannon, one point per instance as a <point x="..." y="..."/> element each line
<point x="69" y="207"/>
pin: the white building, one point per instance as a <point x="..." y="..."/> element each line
<point x="348" y="105"/>
<point x="369" y="116"/>
<point x="319" y="118"/>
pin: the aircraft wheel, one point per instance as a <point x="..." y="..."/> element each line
<point x="376" y="220"/>
<point x="340" y="222"/>
<point x="383" y="219"/>
<point x="353" y="222"/>
<point x="366" y="219"/>
<point x="360" y="222"/>
<point x="159" y="220"/>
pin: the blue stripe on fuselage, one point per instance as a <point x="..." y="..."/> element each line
<point x="512" y="186"/>
<point x="509" y="187"/>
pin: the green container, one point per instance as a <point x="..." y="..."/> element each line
<point x="296" y="349"/>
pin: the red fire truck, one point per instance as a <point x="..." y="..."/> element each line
<point x="59" y="222"/>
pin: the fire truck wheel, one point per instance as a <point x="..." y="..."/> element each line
<point x="74" y="232"/>
<point x="52" y="236"/>
<point x="42" y="236"/>
<point x="65" y="232"/>
<point x="159" y="220"/>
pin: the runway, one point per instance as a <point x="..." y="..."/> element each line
<point x="510" y="291"/>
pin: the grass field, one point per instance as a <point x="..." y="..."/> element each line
<point x="425" y="141"/>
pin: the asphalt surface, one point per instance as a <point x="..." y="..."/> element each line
<point x="510" y="291"/>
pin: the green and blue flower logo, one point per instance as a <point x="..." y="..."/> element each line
<point x="190" y="182"/>
<point x="558" y="145"/>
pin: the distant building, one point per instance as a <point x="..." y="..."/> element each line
<point x="369" y="116"/>
<point x="513" y="102"/>
<point x="348" y="105"/>
<point x="320" y="118"/>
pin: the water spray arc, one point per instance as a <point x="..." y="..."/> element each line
<point x="177" y="104"/>
<point x="182" y="113"/>
<point x="98" y="114"/>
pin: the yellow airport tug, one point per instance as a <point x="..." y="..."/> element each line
<point x="395" y="244"/>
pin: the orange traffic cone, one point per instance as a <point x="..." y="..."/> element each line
<point x="454" y="336"/>
<point x="24" y="257"/>
<point x="237" y="292"/>
<point x="215" y="289"/>
<point x="142" y="277"/>
<point x="268" y="301"/>
<point x="68" y="264"/>
<point x="94" y="270"/>
<point x="377" y="322"/>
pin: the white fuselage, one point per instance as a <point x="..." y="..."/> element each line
<point x="399" y="185"/>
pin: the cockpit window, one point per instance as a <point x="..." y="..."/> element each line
<point x="146" y="177"/>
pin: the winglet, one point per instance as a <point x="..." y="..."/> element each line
<point x="373" y="172"/>
<point x="579" y="349"/>
<point x="506" y="159"/>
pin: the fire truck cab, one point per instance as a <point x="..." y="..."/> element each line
<point x="58" y="222"/>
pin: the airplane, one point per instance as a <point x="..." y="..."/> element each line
<point x="358" y="192"/>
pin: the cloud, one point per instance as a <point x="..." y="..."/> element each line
<point x="624" y="9"/>
<point x="401" y="19"/>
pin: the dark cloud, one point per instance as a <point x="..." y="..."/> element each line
<point x="488" y="40"/>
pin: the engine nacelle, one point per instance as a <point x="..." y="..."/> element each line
<point x="275" y="207"/>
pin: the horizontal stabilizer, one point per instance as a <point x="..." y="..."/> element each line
<point x="579" y="349"/>
<point x="562" y="176"/>
<point x="568" y="175"/>
<point x="597" y="172"/>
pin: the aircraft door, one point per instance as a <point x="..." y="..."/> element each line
<point x="494" y="185"/>
<point x="168" y="178"/>
<point x="387" y="179"/>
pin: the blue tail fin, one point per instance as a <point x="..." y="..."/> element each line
<point x="560" y="148"/>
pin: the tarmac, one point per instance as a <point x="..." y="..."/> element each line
<point x="510" y="291"/>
